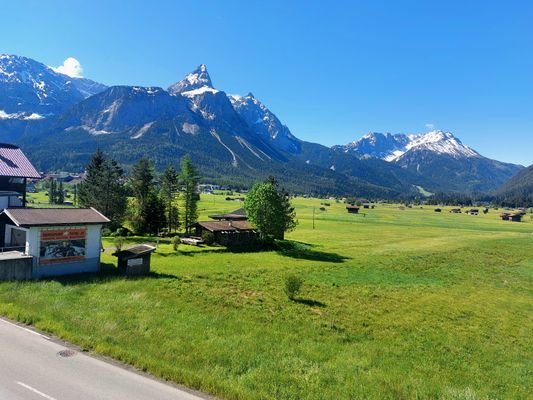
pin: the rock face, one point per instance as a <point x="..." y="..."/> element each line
<point x="264" y="123"/>
<point x="30" y="90"/>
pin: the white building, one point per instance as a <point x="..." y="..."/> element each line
<point x="55" y="241"/>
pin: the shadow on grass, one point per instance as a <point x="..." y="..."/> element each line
<point x="305" y="251"/>
<point x="309" y="302"/>
<point x="289" y="248"/>
<point x="108" y="272"/>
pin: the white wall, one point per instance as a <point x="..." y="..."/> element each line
<point x="91" y="263"/>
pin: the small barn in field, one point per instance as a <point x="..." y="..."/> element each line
<point x="515" y="217"/>
<point x="227" y="233"/>
<point x="352" y="209"/>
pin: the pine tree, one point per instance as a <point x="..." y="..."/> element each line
<point x="52" y="192"/>
<point x="103" y="189"/>
<point x="149" y="212"/>
<point x="60" y="194"/>
<point x="189" y="180"/>
<point x="169" y="190"/>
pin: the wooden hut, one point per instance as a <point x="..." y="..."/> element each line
<point x="352" y="209"/>
<point x="227" y="233"/>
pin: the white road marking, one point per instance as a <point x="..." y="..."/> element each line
<point x="25" y="329"/>
<point x="35" y="390"/>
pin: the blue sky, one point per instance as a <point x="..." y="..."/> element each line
<point x="331" y="70"/>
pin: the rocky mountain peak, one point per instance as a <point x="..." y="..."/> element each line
<point x="197" y="79"/>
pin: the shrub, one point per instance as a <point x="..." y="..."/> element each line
<point x="175" y="242"/>
<point x="208" y="238"/>
<point x="293" y="283"/>
<point x="118" y="242"/>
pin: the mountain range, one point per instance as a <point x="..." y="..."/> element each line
<point x="60" y="121"/>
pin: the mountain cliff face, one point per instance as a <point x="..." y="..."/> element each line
<point x="30" y="90"/>
<point x="234" y="139"/>
<point x="265" y="124"/>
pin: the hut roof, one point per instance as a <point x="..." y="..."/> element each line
<point x="225" y="226"/>
<point x="135" y="251"/>
<point x="14" y="164"/>
<point x="237" y="215"/>
<point x="54" y="216"/>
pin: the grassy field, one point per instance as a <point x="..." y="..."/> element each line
<point x="396" y="304"/>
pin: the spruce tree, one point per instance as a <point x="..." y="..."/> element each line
<point x="52" y="192"/>
<point x="169" y="190"/>
<point x="149" y="213"/>
<point x="103" y="189"/>
<point x="189" y="180"/>
<point x="60" y="193"/>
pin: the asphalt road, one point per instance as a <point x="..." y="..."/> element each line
<point x="31" y="368"/>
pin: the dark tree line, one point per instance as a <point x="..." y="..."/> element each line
<point x="153" y="207"/>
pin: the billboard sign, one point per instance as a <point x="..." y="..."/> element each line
<point x="62" y="245"/>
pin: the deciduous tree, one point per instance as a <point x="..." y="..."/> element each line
<point x="269" y="209"/>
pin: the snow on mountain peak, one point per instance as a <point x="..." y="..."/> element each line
<point x="197" y="79"/>
<point x="441" y="142"/>
<point x="391" y="147"/>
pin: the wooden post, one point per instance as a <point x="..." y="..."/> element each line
<point x="313" y="218"/>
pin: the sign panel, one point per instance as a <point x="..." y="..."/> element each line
<point x="62" y="245"/>
<point x="135" y="261"/>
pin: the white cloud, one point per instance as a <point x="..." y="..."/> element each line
<point x="70" y="67"/>
<point x="430" y="126"/>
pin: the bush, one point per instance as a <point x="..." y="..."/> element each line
<point x="175" y="242"/>
<point x="118" y="242"/>
<point x="208" y="238"/>
<point x="293" y="283"/>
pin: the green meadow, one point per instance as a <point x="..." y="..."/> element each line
<point x="395" y="304"/>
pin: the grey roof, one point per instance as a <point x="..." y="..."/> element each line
<point x="14" y="163"/>
<point x="237" y="215"/>
<point x="54" y="216"/>
<point x="135" y="251"/>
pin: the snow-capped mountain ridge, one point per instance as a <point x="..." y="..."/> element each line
<point x="29" y="87"/>
<point x="391" y="147"/>
<point x="441" y="142"/>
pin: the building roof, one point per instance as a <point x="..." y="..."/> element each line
<point x="225" y="226"/>
<point x="134" y="252"/>
<point x="237" y="215"/>
<point x="13" y="163"/>
<point x="54" y="216"/>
